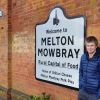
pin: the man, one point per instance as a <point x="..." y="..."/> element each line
<point x="89" y="73"/>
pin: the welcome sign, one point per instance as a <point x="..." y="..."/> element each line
<point x="59" y="46"/>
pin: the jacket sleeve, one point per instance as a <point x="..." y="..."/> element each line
<point x="99" y="80"/>
<point x="80" y="75"/>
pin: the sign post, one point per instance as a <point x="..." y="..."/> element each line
<point x="59" y="46"/>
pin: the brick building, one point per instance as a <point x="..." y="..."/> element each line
<point x="17" y="44"/>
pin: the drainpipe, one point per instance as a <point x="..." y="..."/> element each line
<point x="9" y="50"/>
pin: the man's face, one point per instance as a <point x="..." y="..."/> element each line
<point x="91" y="47"/>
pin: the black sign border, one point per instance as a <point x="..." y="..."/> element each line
<point x="68" y="17"/>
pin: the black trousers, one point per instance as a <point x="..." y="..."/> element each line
<point x="85" y="96"/>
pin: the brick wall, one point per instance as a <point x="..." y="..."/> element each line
<point x="3" y="50"/>
<point x="3" y="44"/>
<point x="25" y="15"/>
<point x="28" y="13"/>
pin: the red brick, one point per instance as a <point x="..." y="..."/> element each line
<point x="24" y="16"/>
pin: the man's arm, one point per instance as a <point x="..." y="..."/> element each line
<point x="80" y="75"/>
<point x="99" y="79"/>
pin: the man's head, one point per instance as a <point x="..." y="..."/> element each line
<point x="91" y="44"/>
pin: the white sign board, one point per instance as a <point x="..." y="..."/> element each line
<point x="59" y="46"/>
<point x="1" y="13"/>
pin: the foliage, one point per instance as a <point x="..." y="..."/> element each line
<point x="42" y="96"/>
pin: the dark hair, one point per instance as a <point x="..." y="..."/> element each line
<point x="92" y="39"/>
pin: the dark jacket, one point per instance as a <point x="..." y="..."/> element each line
<point x="89" y="73"/>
